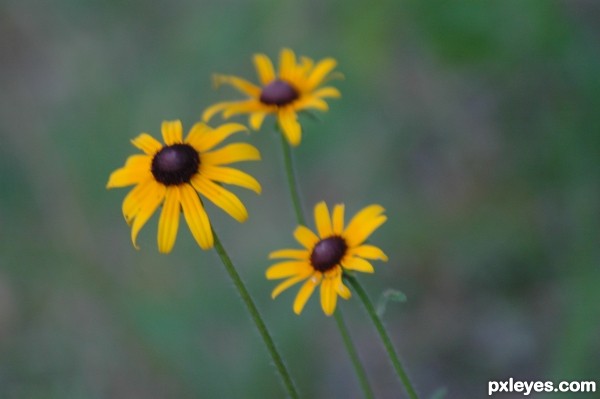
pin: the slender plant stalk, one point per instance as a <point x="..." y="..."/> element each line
<point x="387" y="343"/>
<point x="258" y="321"/>
<point x="360" y="371"/>
<point x="291" y="178"/>
<point x="292" y="183"/>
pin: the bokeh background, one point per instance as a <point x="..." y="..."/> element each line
<point x="476" y="124"/>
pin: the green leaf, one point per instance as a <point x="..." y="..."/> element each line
<point x="389" y="295"/>
<point x="439" y="394"/>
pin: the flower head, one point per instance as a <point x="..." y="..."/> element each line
<point x="328" y="254"/>
<point x="294" y="88"/>
<point x="172" y="174"/>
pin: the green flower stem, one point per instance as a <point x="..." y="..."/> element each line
<point x="260" y="324"/>
<point x="387" y="343"/>
<point x="292" y="183"/>
<point x="360" y="371"/>
<point x="291" y="178"/>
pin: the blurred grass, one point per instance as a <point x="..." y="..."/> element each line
<point x="474" y="123"/>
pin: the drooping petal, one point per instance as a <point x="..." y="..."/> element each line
<point x="147" y="207"/>
<point x="233" y="176"/>
<point x="134" y="199"/>
<point x="212" y="137"/>
<point x="287" y="64"/>
<point x="290" y="253"/>
<point x="306" y="237"/>
<point x="289" y="282"/>
<point x="320" y="71"/>
<point x="305" y="292"/>
<point x="241" y="84"/>
<point x="287" y="269"/>
<point x="236" y="152"/>
<point x="323" y="220"/>
<point x="368" y="252"/>
<point x="169" y="220"/>
<point x="363" y="224"/>
<point x="338" y="219"/>
<point x="221" y="197"/>
<point x="256" y="120"/>
<point x="264" y="68"/>
<point x="357" y="264"/>
<point x="196" y="216"/>
<point x="328" y="296"/>
<point x="172" y="132"/>
<point x="288" y="121"/>
<point x="341" y="289"/>
<point x="147" y="143"/>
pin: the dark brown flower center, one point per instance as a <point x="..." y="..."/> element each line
<point x="328" y="253"/>
<point x="175" y="164"/>
<point x="278" y="93"/>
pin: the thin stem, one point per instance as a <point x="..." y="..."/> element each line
<point x="291" y="178"/>
<point x="258" y="321"/>
<point x="292" y="183"/>
<point x="360" y="371"/>
<point x="387" y="343"/>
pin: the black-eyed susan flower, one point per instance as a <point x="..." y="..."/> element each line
<point x="173" y="173"/>
<point x="294" y="88"/>
<point x="328" y="254"/>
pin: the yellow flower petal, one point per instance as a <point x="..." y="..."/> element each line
<point x="148" y="205"/>
<point x="287" y="269"/>
<point x="221" y="197"/>
<point x="289" y="282"/>
<point x="306" y="237"/>
<point x="264" y="68"/>
<point x="290" y="253"/>
<point x="287" y="64"/>
<point x="327" y="92"/>
<point x="305" y="292"/>
<point x="288" y="121"/>
<point x="197" y="133"/>
<point x="320" y="72"/>
<point x="226" y="175"/>
<point x="196" y="216"/>
<point x="125" y="177"/>
<point x="136" y="170"/>
<point x="172" y="132"/>
<point x="341" y="289"/>
<point x="256" y="120"/>
<point x="169" y="220"/>
<point x="328" y="296"/>
<point x="358" y="264"/>
<point x="147" y="143"/>
<point x="323" y="220"/>
<point x="236" y="152"/>
<point x="368" y="252"/>
<point x="210" y="138"/>
<point x="311" y="102"/>
<point x="134" y="199"/>
<point x="241" y="84"/>
<point x="244" y="107"/>
<point x="363" y="224"/>
<point x="215" y="109"/>
<point x="338" y="219"/>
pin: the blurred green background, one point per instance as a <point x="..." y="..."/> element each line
<point x="476" y="124"/>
